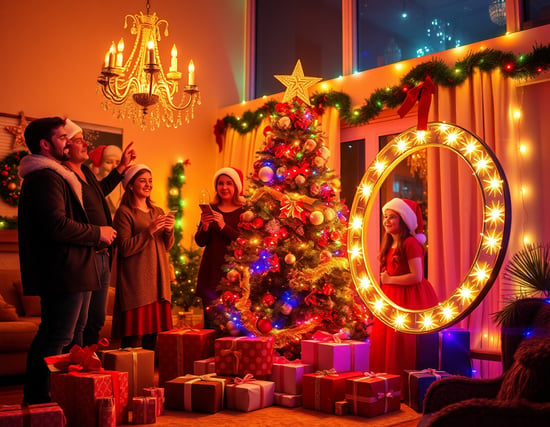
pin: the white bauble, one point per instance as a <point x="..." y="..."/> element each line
<point x="265" y="174"/>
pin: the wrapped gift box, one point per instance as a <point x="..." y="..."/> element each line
<point x="106" y="412"/>
<point x="342" y="356"/>
<point x="288" y="400"/>
<point x="374" y="394"/>
<point x="244" y="355"/>
<point x="45" y="414"/>
<point x="77" y="394"/>
<point x="138" y="362"/>
<point x="178" y="349"/>
<point x="288" y="376"/>
<point x="341" y="407"/>
<point x="322" y="389"/>
<point x="416" y="383"/>
<point x="247" y="394"/>
<point x="205" y="366"/>
<point x="144" y="410"/>
<point x="455" y="352"/>
<point x="194" y="393"/>
<point x="157" y="393"/>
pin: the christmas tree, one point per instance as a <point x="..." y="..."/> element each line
<point x="287" y="274"/>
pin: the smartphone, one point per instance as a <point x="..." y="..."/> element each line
<point x="172" y="212"/>
<point x="206" y="208"/>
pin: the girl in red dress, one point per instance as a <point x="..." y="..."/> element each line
<point x="402" y="280"/>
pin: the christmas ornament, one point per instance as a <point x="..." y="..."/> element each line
<point x="266" y="174"/>
<point x="297" y="84"/>
<point x="247" y="216"/>
<point x="310" y="145"/>
<point x="228" y="297"/>
<point x="286" y="309"/>
<point x="324" y="152"/>
<point x="257" y="223"/>
<point x="9" y="177"/>
<point x="268" y="300"/>
<point x="264" y="326"/>
<point x="316" y="217"/>
<point x="315" y="189"/>
<point x="18" y="131"/>
<point x="325" y="256"/>
<point x="12" y="186"/>
<point x="319" y="162"/>
<point x="330" y="214"/>
<point x="284" y="123"/>
<point x="290" y="259"/>
<point x="300" y="179"/>
<point x="233" y="275"/>
<point x="281" y="172"/>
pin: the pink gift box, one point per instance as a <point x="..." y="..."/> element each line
<point x="144" y="410"/>
<point x="374" y="394"/>
<point x="248" y="394"/>
<point x="288" y="400"/>
<point x="205" y="366"/>
<point x="77" y="394"/>
<point x="323" y="389"/>
<point x="333" y="355"/>
<point x="45" y="414"/>
<point x="244" y="355"/>
<point x="178" y="349"/>
<point x="288" y="376"/>
<point x="342" y="356"/>
<point x="360" y="355"/>
<point x="158" y="393"/>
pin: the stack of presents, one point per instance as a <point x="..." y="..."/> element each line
<point x="199" y="373"/>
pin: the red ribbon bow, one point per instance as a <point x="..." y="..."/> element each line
<point x="78" y="359"/>
<point x="246" y="379"/>
<point x="423" y="94"/>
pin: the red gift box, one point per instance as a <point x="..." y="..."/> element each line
<point x="178" y="349"/>
<point x="158" y="393"/>
<point x="77" y="394"/>
<point x="106" y="412"/>
<point x="194" y="393"/>
<point x="374" y="394"/>
<point x="288" y="376"/>
<point x="244" y="355"/>
<point x="144" y="410"/>
<point x="288" y="400"/>
<point x="205" y="366"/>
<point x="341" y="407"/>
<point x="45" y="414"/>
<point x="247" y="394"/>
<point x="322" y="389"/>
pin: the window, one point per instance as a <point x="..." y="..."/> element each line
<point x="393" y="30"/>
<point x="535" y="13"/>
<point x="288" y="30"/>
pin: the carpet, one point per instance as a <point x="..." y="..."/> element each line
<point x="276" y="416"/>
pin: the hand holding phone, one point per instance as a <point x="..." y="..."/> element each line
<point x="206" y="208"/>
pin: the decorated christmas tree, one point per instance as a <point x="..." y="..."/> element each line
<point x="287" y="274"/>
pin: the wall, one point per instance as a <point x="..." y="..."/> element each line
<point x="52" y="52"/>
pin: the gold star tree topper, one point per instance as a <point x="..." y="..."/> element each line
<point x="18" y="131"/>
<point x="297" y="84"/>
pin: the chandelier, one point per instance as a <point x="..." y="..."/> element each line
<point x="139" y="89"/>
<point x="497" y="12"/>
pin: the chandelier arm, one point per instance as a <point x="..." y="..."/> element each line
<point x="112" y="91"/>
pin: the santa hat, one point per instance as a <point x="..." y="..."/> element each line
<point x="71" y="128"/>
<point x="131" y="171"/>
<point x="235" y="174"/>
<point x="96" y="154"/>
<point x="411" y="214"/>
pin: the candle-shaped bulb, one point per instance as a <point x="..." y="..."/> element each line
<point x="174" y="62"/>
<point x="151" y="47"/>
<point x="112" y="51"/>
<point x="107" y="59"/>
<point x="119" y="55"/>
<point x="191" y="69"/>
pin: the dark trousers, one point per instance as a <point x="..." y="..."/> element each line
<point x="98" y="302"/>
<point x="59" y="317"/>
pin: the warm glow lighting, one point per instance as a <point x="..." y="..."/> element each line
<point x="365" y="190"/>
<point x="364" y="283"/>
<point x="400" y="320"/>
<point x="494" y="185"/>
<point x="427" y="321"/>
<point x="517" y="114"/>
<point x="465" y="293"/>
<point x="523" y="148"/>
<point x="380" y="166"/>
<point x="356" y="223"/>
<point x="378" y="305"/>
<point x="495" y="214"/>
<point x="139" y="89"/>
<point x="355" y="252"/>
<point x="401" y="145"/>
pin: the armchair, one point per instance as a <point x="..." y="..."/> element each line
<point x="503" y="401"/>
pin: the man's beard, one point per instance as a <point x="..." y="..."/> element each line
<point x="62" y="156"/>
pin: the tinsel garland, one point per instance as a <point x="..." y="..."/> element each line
<point x="524" y="66"/>
<point x="10" y="188"/>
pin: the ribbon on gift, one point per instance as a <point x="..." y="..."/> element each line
<point x="423" y="94"/>
<point x="187" y="388"/>
<point x="323" y="336"/>
<point x="26" y="412"/>
<point x="232" y="351"/>
<point x="106" y="412"/>
<point x="429" y="371"/>
<point x="326" y="373"/>
<point x="246" y="379"/>
<point x="157" y="393"/>
<point x="78" y="359"/>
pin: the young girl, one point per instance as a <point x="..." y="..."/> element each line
<point x="402" y="280"/>
<point x="217" y="228"/>
<point x="144" y="236"/>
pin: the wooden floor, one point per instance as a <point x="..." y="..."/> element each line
<point x="11" y="392"/>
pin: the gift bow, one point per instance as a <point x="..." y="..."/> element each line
<point x="371" y="374"/>
<point x="327" y="372"/>
<point x="232" y="351"/>
<point x="327" y="336"/>
<point x="387" y="395"/>
<point x="423" y="94"/>
<point x="79" y="358"/>
<point x="246" y="379"/>
<point x="292" y="209"/>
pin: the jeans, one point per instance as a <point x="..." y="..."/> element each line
<point x="98" y="301"/>
<point x="59" y="316"/>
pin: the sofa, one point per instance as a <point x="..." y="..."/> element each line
<point x="19" y="320"/>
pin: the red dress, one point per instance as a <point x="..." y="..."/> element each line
<point x="393" y="351"/>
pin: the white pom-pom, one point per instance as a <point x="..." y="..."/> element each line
<point x="421" y="237"/>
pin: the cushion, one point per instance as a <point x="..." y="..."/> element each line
<point x="7" y="311"/>
<point x="31" y="304"/>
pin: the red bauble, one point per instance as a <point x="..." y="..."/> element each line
<point x="257" y="223"/>
<point x="268" y="300"/>
<point x="264" y="326"/>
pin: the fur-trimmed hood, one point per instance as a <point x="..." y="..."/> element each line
<point x="34" y="162"/>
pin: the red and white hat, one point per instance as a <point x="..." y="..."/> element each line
<point x="71" y="128"/>
<point x="411" y="214"/>
<point x="235" y="174"/>
<point x="96" y="155"/>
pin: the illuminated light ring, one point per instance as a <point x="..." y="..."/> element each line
<point x="492" y="244"/>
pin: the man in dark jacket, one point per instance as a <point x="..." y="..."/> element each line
<point x="97" y="209"/>
<point x="57" y="247"/>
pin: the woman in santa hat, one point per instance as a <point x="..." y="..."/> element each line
<point x="217" y="228"/>
<point x="402" y="280"/>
